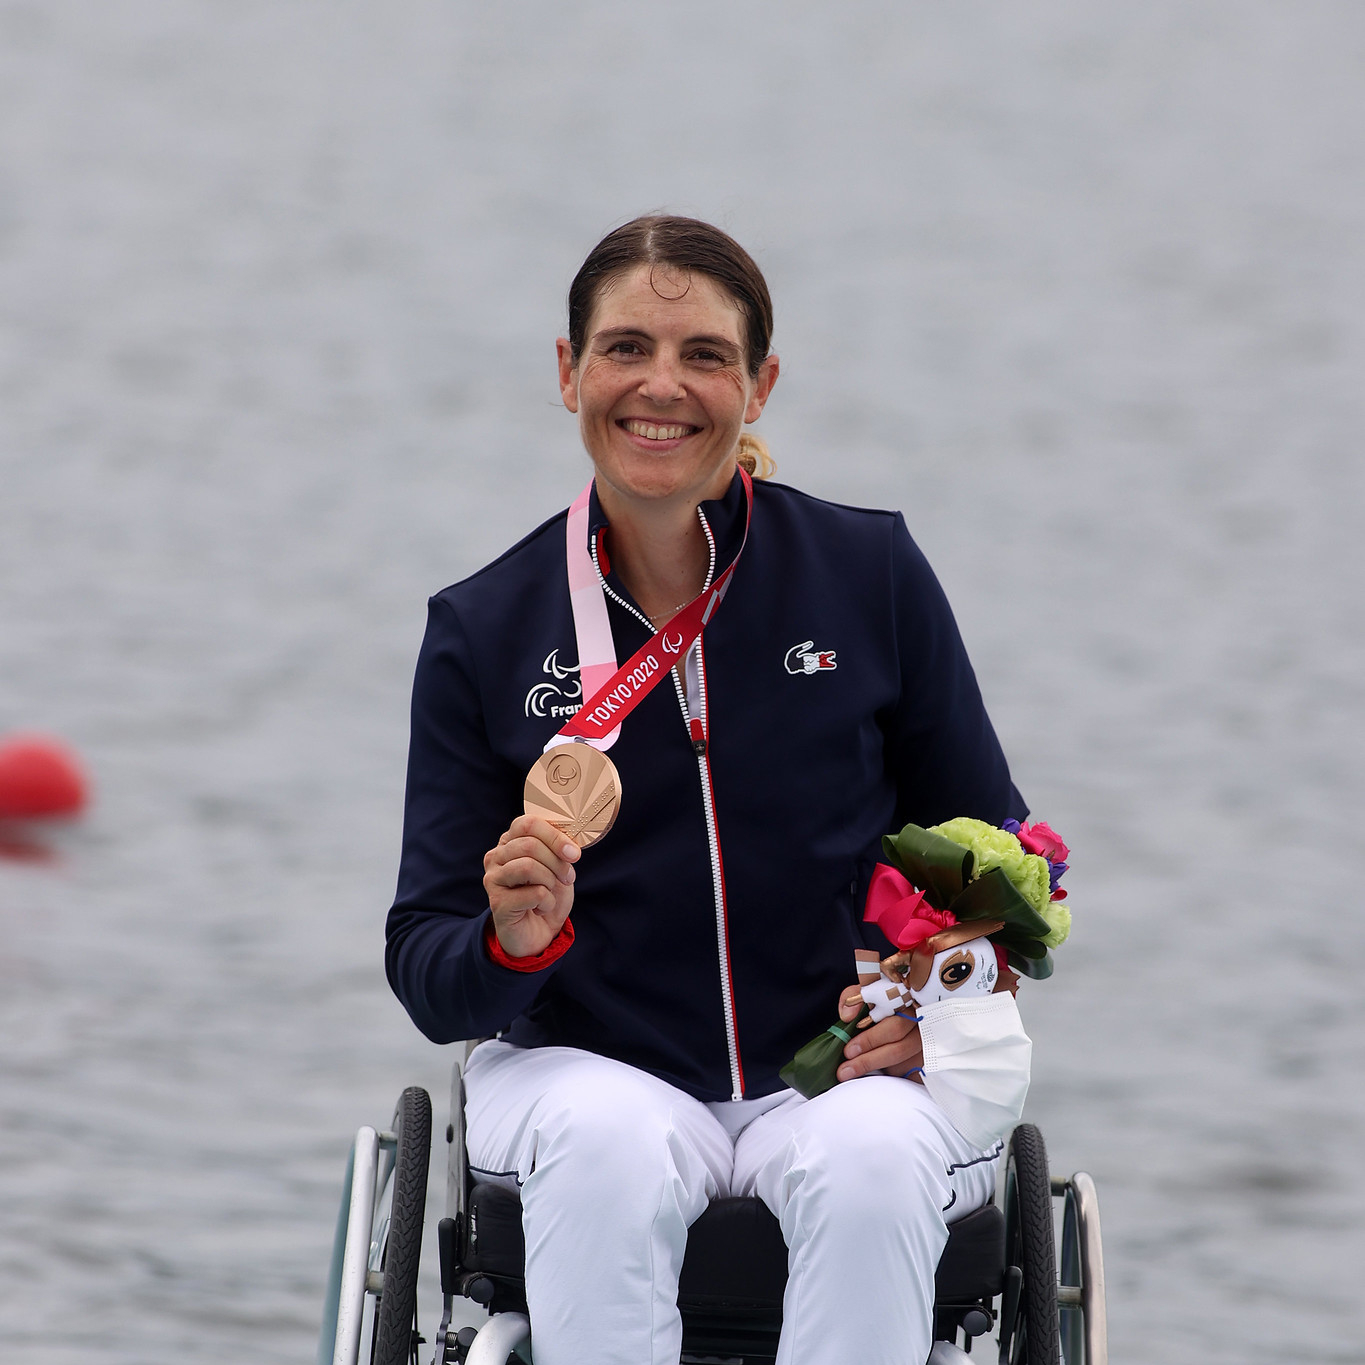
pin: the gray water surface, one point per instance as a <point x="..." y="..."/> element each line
<point x="1080" y="288"/>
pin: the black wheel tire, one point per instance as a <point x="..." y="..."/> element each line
<point x="393" y="1341"/>
<point x="1033" y="1337"/>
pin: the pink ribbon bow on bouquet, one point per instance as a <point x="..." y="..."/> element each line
<point x="904" y="915"/>
<point x="900" y="911"/>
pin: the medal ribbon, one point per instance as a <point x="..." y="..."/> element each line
<point x="612" y="693"/>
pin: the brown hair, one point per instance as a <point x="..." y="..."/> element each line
<point x="685" y="244"/>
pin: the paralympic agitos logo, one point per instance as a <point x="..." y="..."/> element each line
<point x="560" y="698"/>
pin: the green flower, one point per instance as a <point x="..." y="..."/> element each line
<point x="1031" y="882"/>
<point x="993" y="847"/>
<point x="1059" y="917"/>
<point x="990" y="846"/>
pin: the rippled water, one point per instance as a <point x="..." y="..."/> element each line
<point x="1078" y="287"/>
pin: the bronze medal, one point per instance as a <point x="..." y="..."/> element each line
<point x="577" y="789"/>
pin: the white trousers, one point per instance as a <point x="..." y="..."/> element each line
<point x="614" y="1164"/>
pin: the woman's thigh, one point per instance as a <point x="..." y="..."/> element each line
<point x="864" y="1142"/>
<point x="591" y="1117"/>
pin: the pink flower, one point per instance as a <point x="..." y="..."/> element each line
<point x="1043" y="840"/>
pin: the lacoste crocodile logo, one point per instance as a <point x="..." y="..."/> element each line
<point x="803" y="659"/>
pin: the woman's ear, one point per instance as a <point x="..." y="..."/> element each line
<point x="568" y="379"/>
<point x="763" y="386"/>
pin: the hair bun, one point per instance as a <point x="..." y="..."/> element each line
<point x="753" y="457"/>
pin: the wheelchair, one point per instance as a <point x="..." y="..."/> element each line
<point x="999" y="1273"/>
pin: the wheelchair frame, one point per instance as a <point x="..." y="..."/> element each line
<point x="375" y="1233"/>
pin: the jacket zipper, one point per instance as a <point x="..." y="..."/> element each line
<point x="699" y="732"/>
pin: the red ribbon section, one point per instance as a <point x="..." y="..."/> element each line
<point x="649" y="665"/>
<point x="900" y="912"/>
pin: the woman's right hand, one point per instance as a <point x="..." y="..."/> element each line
<point x="529" y="879"/>
<point x="892" y="1046"/>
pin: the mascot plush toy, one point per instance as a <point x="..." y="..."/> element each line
<point x="969" y="908"/>
<point x="952" y="964"/>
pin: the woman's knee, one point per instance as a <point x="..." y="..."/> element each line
<point x="873" y="1158"/>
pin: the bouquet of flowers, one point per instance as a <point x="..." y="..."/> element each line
<point x="954" y="886"/>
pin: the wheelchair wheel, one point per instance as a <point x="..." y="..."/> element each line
<point x="1029" y="1333"/>
<point x="394" y="1341"/>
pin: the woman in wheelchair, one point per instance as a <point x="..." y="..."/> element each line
<point x="648" y="988"/>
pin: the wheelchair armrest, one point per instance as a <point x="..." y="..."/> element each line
<point x="456" y="1164"/>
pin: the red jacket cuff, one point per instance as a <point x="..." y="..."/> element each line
<point x="559" y="945"/>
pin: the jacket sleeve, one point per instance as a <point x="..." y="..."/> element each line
<point x="461" y="796"/>
<point x="940" y="742"/>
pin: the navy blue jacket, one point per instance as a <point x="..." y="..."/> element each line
<point x="840" y="704"/>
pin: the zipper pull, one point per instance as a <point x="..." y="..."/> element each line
<point x="698" y="737"/>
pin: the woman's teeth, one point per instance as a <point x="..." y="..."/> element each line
<point x="654" y="433"/>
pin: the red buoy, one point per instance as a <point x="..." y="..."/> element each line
<point x="39" y="777"/>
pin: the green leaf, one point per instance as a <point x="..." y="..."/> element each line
<point x="938" y="866"/>
<point x="1036" y="969"/>
<point x="993" y="896"/>
<point x="1033" y="948"/>
<point x="813" y="1070"/>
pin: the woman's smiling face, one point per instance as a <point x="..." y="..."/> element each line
<point x="662" y="387"/>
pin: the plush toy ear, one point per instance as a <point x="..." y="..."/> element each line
<point x="961" y="933"/>
<point x="1009" y="979"/>
<point x="921" y="964"/>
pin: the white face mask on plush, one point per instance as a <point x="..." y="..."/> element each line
<point x="976" y="1063"/>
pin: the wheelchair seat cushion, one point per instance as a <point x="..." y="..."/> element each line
<point x="493" y="1241"/>
<point x="972" y="1266"/>
<point x="736" y="1259"/>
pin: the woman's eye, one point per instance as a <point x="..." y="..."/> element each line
<point x="624" y="348"/>
<point x="708" y="358"/>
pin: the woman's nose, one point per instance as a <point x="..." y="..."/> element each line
<point x="663" y="381"/>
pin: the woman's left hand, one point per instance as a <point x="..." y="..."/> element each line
<point x="892" y="1047"/>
